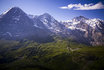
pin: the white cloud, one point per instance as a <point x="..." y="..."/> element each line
<point x="79" y="6"/>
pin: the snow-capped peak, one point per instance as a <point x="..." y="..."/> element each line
<point x="72" y="24"/>
<point x="13" y="10"/>
<point x="10" y="9"/>
<point x="47" y="19"/>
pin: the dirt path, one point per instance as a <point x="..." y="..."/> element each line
<point x="70" y="49"/>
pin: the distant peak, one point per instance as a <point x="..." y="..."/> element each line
<point x="80" y="18"/>
<point x="46" y="14"/>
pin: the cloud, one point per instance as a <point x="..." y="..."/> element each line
<point x="79" y="6"/>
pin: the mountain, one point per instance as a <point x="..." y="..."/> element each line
<point x="15" y="24"/>
<point x="46" y="21"/>
<point x="88" y="31"/>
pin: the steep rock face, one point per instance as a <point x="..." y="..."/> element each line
<point x="15" y="24"/>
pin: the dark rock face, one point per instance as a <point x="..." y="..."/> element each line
<point x="16" y="24"/>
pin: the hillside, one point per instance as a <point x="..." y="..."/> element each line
<point x="58" y="55"/>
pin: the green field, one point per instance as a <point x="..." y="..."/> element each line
<point x="57" y="55"/>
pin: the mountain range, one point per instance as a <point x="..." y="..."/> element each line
<point x="15" y="24"/>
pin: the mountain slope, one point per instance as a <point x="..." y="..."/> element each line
<point x="88" y="31"/>
<point x="58" y="55"/>
<point x="16" y="25"/>
<point x="46" y="21"/>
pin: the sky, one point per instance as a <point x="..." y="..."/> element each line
<point x="59" y="9"/>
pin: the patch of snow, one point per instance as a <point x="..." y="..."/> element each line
<point x="45" y="21"/>
<point x="94" y="20"/>
<point x="57" y="30"/>
<point x="91" y="23"/>
<point x="74" y="23"/>
<point x="9" y="34"/>
<point x="50" y="28"/>
<point x="6" y="11"/>
<point x="17" y="18"/>
<point x="37" y="26"/>
<point x="81" y="29"/>
<point x="31" y="16"/>
<point x="71" y="27"/>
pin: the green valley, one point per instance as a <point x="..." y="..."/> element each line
<point x="57" y="55"/>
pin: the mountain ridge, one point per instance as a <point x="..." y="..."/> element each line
<point x="83" y="30"/>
